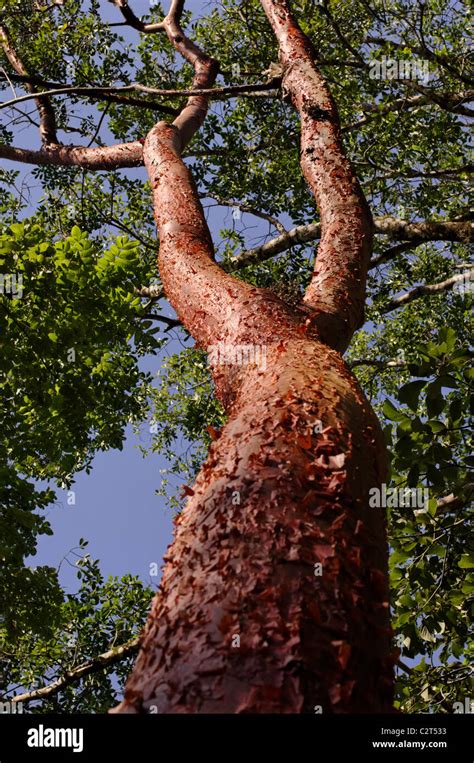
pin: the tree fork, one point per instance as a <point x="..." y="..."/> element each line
<point x="274" y="597"/>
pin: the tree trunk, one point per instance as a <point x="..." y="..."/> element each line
<point x="274" y="597"/>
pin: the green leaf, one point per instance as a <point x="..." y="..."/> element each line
<point x="447" y="381"/>
<point x="447" y="336"/>
<point x="456" y="409"/>
<point x="392" y="413"/>
<point x="436" y="426"/>
<point x="435" y="401"/>
<point x="410" y="393"/>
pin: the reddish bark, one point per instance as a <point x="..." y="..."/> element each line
<point x="248" y="568"/>
<point x="102" y="158"/>
<point x="337" y="289"/>
<point x="241" y="622"/>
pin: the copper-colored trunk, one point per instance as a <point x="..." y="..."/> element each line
<point x="245" y="619"/>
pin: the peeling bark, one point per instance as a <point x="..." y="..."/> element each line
<point x="102" y="158"/>
<point x="274" y="500"/>
<point x="337" y="290"/>
<point x="274" y="596"/>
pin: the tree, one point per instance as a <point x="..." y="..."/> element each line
<point x="275" y="593"/>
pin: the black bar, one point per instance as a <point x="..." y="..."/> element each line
<point x="310" y="738"/>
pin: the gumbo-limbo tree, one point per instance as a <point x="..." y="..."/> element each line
<point x="315" y="368"/>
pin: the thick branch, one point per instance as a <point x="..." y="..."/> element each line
<point x="101" y="158"/>
<point x="302" y="234"/>
<point x="393" y="252"/>
<point x="416" y="293"/>
<point x="170" y="323"/>
<point x="205" y="73"/>
<point x="43" y="104"/>
<point x="205" y="68"/>
<point x="191" y="278"/>
<point x="443" y="100"/>
<point x="381" y="364"/>
<point x="394" y="228"/>
<point x="86" y="668"/>
<point x="133" y="20"/>
<point x="202" y="294"/>
<point x="154" y="292"/>
<point x="447" y="101"/>
<point x="428" y="290"/>
<point x="337" y="290"/>
<point x="452" y="502"/>
<point x="427" y="230"/>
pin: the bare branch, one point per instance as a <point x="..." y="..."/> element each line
<point x="404" y="667"/>
<point x="325" y="9"/>
<point x="452" y="502"/>
<point x="381" y="364"/>
<point x="259" y="90"/>
<point x="244" y="207"/>
<point x="450" y="102"/>
<point x="447" y="101"/>
<point x="394" y="228"/>
<point x="205" y="68"/>
<point x="95" y="93"/>
<point x="86" y="668"/>
<point x="394" y="251"/>
<point x="133" y="20"/>
<point x="155" y="291"/>
<point x="426" y="230"/>
<point x="443" y="172"/>
<point x="428" y="290"/>
<point x="302" y="234"/>
<point x="171" y="323"/>
<point x="46" y="8"/>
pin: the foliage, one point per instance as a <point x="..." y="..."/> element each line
<point x="432" y="551"/>
<point x="100" y="615"/>
<point x="70" y="382"/>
